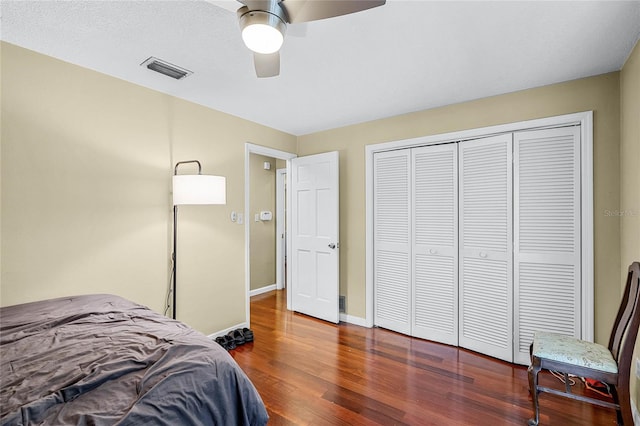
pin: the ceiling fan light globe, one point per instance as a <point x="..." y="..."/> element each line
<point x="262" y="38"/>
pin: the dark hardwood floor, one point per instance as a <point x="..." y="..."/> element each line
<point x="315" y="373"/>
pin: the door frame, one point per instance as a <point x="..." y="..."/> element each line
<point x="281" y="246"/>
<point x="584" y="119"/>
<point x="250" y="148"/>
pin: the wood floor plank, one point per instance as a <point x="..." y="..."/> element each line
<point x="310" y="372"/>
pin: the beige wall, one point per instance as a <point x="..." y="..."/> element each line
<point x="630" y="160"/>
<point x="600" y="94"/>
<point x="262" y="233"/>
<point x="86" y="171"/>
<point x="630" y="177"/>
<point x="1" y="132"/>
<point x="281" y="164"/>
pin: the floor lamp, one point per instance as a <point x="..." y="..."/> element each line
<point x="192" y="189"/>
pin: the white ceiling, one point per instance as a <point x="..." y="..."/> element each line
<point x="404" y="56"/>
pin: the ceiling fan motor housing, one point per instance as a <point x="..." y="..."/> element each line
<point x="263" y="30"/>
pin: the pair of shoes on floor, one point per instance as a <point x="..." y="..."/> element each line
<point x="235" y="338"/>
<point x="241" y="336"/>
<point x="226" y="342"/>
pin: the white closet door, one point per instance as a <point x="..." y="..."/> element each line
<point x="435" y="243"/>
<point x="485" y="200"/>
<point x="547" y="235"/>
<point x="392" y="226"/>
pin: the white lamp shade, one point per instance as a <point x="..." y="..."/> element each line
<point x="199" y="189"/>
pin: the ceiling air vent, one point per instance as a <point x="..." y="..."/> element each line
<point x="163" y="67"/>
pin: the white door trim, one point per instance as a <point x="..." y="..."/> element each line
<point x="584" y="119"/>
<point x="281" y="175"/>
<point x="250" y="148"/>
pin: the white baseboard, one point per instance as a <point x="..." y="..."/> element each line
<point x="225" y="331"/>
<point x="261" y="290"/>
<point x="354" y="320"/>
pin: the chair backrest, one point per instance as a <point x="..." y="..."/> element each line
<point x="628" y="319"/>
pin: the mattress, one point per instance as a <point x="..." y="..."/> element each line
<point x="104" y="360"/>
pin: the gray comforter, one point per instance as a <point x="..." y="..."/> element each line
<point x="103" y="360"/>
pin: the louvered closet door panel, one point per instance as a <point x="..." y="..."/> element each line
<point x="547" y="235"/>
<point x="392" y="226"/>
<point x="435" y="245"/>
<point x="485" y="201"/>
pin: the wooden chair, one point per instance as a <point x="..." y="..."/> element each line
<point x="612" y="365"/>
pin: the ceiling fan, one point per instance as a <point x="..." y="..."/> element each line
<point x="264" y="22"/>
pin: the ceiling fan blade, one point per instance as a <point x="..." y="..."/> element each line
<point x="313" y="10"/>
<point x="267" y="65"/>
<point x="298" y="30"/>
<point x="230" y="5"/>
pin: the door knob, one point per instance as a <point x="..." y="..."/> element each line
<point x="332" y="246"/>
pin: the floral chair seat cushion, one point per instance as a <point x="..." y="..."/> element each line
<point x="558" y="347"/>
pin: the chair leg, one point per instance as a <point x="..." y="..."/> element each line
<point x="622" y="398"/>
<point x="533" y="371"/>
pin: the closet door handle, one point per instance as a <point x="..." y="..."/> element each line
<point x="483" y="255"/>
<point x="433" y="251"/>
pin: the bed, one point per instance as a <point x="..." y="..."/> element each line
<point x="104" y="360"/>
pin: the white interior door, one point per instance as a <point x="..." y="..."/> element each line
<point x="392" y="236"/>
<point x="547" y="244"/>
<point x="314" y="236"/>
<point x="485" y="226"/>
<point x="435" y="243"/>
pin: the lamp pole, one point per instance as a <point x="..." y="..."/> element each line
<point x="175" y="237"/>
<point x="174" y="257"/>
